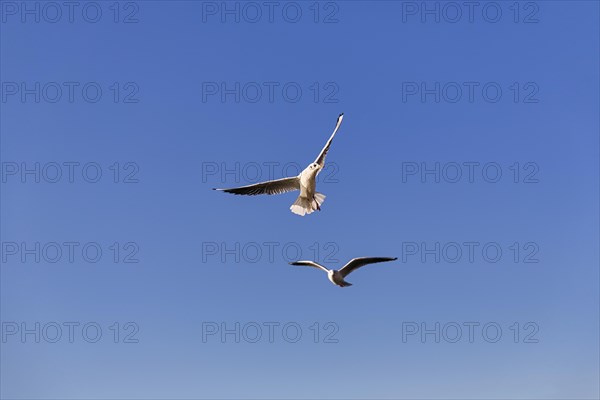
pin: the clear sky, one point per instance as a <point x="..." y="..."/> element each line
<point x="469" y="150"/>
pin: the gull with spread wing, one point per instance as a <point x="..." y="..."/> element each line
<point x="309" y="199"/>
<point x="337" y="276"/>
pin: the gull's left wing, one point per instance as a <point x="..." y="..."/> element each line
<point x="356" y="263"/>
<point x="321" y="158"/>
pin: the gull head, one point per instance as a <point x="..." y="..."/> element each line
<point x="313" y="169"/>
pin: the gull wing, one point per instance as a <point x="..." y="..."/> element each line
<point x="321" y="158"/>
<point x="356" y="263"/>
<point x="310" y="264"/>
<point x="269" y="187"/>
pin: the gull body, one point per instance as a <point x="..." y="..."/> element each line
<point x="309" y="199"/>
<point x="337" y="276"/>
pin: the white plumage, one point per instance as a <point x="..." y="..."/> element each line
<point x="309" y="199"/>
<point x="337" y="276"/>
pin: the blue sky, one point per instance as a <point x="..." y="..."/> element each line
<point x="168" y="100"/>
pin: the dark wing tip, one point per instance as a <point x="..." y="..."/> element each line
<point x="394" y="258"/>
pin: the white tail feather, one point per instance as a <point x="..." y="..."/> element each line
<point x="320" y="198"/>
<point x="303" y="205"/>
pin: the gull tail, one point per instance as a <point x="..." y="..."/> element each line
<point x="345" y="284"/>
<point x="304" y="205"/>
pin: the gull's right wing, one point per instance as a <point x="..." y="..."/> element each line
<point x="310" y="264"/>
<point x="270" y="187"/>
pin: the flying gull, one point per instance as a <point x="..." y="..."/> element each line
<point x="309" y="199"/>
<point x="337" y="276"/>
